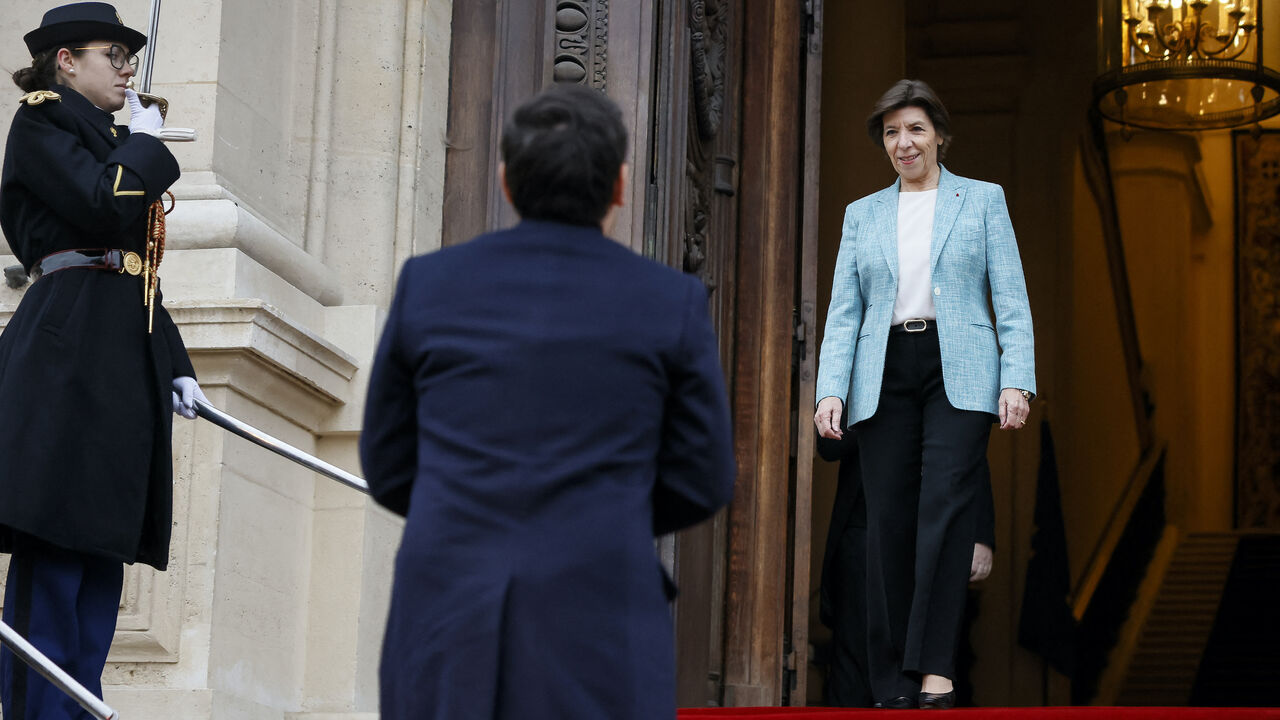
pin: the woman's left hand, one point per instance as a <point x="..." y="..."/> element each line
<point x="1013" y="409"/>
<point x="185" y="393"/>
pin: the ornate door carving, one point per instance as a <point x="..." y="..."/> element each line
<point x="692" y="224"/>
<point x="1258" y="342"/>
<point x="580" y="51"/>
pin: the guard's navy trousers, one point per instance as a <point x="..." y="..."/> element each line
<point x="65" y="603"/>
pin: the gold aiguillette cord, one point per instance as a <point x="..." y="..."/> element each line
<point x="155" y="253"/>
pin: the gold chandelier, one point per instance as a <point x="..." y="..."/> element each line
<point x="1185" y="65"/>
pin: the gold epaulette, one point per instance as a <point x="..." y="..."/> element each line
<point x="39" y="96"/>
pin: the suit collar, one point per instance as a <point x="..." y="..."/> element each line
<point x="951" y="193"/>
<point x="552" y="233"/>
<point x="886" y="217"/>
<point x="952" y="190"/>
<point x="556" y="228"/>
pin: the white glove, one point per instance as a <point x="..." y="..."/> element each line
<point x="185" y="393"/>
<point x="143" y="119"/>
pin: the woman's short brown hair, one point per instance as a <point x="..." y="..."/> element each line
<point x="911" y="93"/>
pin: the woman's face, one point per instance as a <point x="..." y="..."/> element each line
<point x="911" y="144"/>
<point x="92" y="74"/>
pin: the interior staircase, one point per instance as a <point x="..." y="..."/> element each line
<point x="1241" y="663"/>
<point x="1164" y="663"/>
<point x="1212" y="636"/>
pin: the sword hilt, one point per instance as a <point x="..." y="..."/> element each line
<point x="148" y="99"/>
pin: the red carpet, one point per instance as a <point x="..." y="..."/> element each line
<point x="1049" y="713"/>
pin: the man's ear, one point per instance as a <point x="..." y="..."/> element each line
<point x="620" y="185"/>
<point x="502" y="180"/>
<point x="617" y="200"/>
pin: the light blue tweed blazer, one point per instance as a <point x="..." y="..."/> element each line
<point x="973" y="255"/>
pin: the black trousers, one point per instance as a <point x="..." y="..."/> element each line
<point x="919" y="456"/>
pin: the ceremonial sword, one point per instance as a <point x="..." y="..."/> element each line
<point x="203" y="409"/>
<point x="277" y="446"/>
<point x="143" y="79"/>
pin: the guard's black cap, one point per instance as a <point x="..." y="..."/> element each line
<point x="79" y="22"/>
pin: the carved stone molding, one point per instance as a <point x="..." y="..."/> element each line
<point x="148" y="627"/>
<point x="581" y="42"/>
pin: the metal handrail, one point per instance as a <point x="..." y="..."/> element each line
<point x="277" y="446"/>
<point x="27" y="653"/>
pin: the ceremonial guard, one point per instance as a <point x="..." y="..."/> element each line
<point x="91" y="364"/>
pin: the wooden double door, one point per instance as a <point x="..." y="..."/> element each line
<point x="720" y="102"/>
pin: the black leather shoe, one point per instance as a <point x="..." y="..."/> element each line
<point x="898" y="703"/>
<point x="938" y="701"/>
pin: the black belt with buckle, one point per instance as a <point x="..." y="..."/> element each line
<point x="121" y="261"/>
<point x="914" y="325"/>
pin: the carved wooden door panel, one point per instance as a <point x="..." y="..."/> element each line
<point x="691" y="223"/>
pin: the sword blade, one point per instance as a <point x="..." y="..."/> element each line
<point x="143" y="81"/>
<point x="277" y="446"/>
<point x="28" y="654"/>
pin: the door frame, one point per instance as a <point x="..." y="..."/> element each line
<point x="768" y="585"/>
<point x="806" y="360"/>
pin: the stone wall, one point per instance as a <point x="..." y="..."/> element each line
<point x="318" y="170"/>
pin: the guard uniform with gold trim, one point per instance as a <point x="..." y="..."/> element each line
<point x="85" y="457"/>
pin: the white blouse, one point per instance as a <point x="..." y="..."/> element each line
<point x="915" y="233"/>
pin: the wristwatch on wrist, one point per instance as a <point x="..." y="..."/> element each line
<point x="1026" y="394"/>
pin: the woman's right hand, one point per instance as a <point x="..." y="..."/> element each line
<point x="827" y="418"/>
<point x="143" y="119"/>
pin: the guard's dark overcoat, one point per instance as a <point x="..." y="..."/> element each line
<point x="86" y="409"/>
<point x="543" y="402"/>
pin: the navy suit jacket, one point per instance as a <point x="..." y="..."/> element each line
<point x="543" y="402"/>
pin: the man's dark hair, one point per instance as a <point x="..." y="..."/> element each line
<point x="563" y="150"/>
<point x="911" y="93"/>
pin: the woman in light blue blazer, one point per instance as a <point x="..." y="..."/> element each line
<point x="911" y="347"/>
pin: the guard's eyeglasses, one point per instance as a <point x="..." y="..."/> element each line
<point x="118" y="56"/>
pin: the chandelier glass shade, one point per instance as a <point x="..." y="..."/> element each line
<point x="1186" y="65"/>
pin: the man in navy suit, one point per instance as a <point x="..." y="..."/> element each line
<point x="543" y="403"/>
